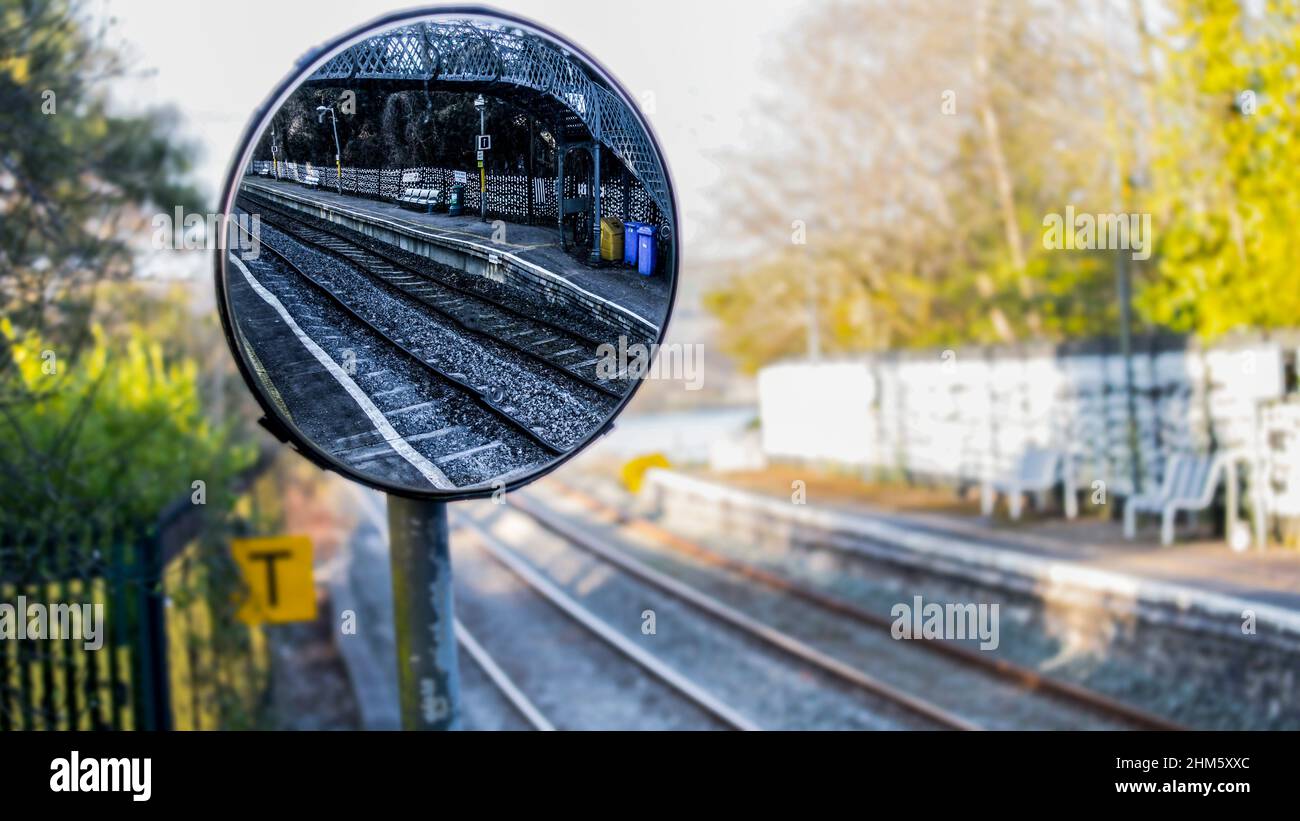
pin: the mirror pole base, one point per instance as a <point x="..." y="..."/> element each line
<point x="428" y="678"/>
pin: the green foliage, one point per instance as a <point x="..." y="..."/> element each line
<point x="110" y="438"/>
<point x="74" y="176"/>
<point x="1225" y="176"/>
<point x="101" y="417"/>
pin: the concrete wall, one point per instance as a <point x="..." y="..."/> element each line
<point x="956" y="415"/>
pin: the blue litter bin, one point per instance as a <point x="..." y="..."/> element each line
<point x="629" y="241"/>
<point x="645" y="249"/>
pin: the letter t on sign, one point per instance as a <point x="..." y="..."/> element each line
<point x="277" y="575"/>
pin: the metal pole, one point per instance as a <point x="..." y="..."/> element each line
<point x="559" y="182"/>
<point x="1126" y="350"/>
<point x="532" y="154"/>
<point x="338" y="152"/>
<point x="482" y="186"/>
<point x="428" y="680"/>
<point x="154" y="692"/>
<point x="594" y="257"/>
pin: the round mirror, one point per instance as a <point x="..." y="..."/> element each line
<point x="451" y="251"/>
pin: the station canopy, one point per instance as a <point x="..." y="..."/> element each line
<point x="511" y="64"/>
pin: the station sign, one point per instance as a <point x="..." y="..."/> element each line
<point x="484" y="143"/>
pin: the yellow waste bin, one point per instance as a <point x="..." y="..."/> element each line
<point x="611" y="239"/>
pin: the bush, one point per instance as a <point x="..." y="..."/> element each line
<point x="107" y="440"/>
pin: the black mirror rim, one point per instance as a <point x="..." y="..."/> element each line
<point x="303" y="67"/>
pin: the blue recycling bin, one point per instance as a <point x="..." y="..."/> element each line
<point x="629" y="241"/>
<point x="645" y="249"/>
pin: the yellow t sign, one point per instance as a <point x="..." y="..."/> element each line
<point x="277" y="574"/>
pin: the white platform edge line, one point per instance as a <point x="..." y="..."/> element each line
<point x="426" y="468"/>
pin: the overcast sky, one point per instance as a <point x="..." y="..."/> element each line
<point x="216" y="60"/>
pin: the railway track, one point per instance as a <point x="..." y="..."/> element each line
<point x="565" y="350"/>
<point x="684" y="689"/>
<point x="930" y="715"/>
<point x="487" y="444"/>
<point x="563" y="411"/>
<point x="1086" y="707"/>
<point x="501" y="681"/>
<point x="547" y="613"/>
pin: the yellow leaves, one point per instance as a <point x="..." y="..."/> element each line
<point x="1225" y="176"/>
<point x="135" y="415"/>
<point x="16" y="67"/>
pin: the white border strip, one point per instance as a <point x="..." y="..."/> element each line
<point x="971" y="552"/>
<point x="429" y="234"/>
<point x="394" y="439"/>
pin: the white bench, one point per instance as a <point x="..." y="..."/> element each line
<point x="1189" y="484"/>
<point x="1037" y="471"/>
<point x="311" y="179"/>
<point x="421" y="199"/>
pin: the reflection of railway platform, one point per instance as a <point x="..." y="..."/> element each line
<point x="536" y="250"/>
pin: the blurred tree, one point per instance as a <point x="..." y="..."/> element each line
<point x="920" y="147"/>
<point x="96" y="426"/>
<point x="74" y="177"/>
<point x="119" y="437"/>
<point x="1224" y="171"/>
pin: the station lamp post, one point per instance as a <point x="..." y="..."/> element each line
<point x="321" y="110"/>
<point x="481" y="105"/>
<point x="275" y="152"/>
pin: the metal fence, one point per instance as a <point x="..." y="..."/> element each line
<point x="512" y="197"/>
<point x="167" y="652"/>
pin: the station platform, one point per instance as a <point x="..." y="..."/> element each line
<point x="1195" y="573"/>
<point x="644" y="297"/>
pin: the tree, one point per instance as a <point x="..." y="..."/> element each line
<point x="921" y="146"/>
<point x="75" y="178"/>
<point x="97" y="423"/>
<point x="1224" y="184"/>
